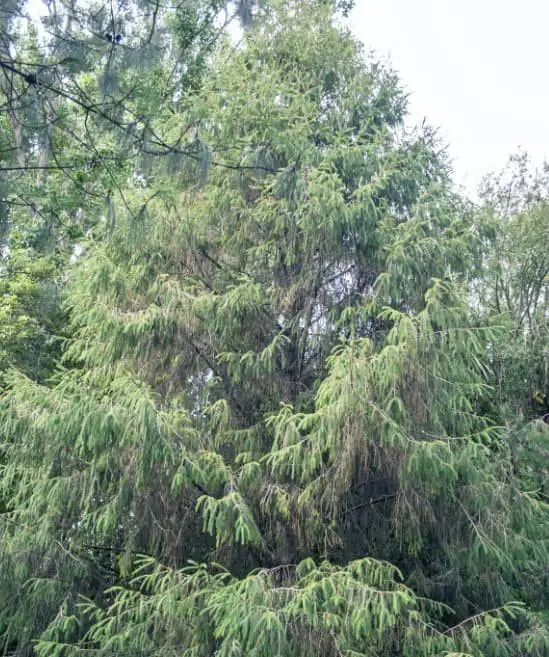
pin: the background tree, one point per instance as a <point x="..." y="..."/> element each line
<point x="79" y="90"/>
<point x="517" y="278"/>
<point x="514" y="293"/>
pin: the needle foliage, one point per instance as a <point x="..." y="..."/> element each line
<point x="281" y="420"/>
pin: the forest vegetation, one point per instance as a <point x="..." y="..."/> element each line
<point x="271" y="385"/>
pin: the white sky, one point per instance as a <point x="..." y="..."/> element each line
<point x="476" y="69"/>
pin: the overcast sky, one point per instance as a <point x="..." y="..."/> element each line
<point x="477" y="69"/>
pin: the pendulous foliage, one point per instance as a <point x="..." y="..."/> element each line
<point x="289" y="416"/>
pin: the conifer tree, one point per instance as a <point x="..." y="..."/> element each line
<point x="273" y="428"/>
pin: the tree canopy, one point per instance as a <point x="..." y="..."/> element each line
<point x="270" y="385"/>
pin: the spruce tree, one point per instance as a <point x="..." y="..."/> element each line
<point x="273" y="429"/>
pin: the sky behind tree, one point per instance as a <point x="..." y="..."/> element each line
<point x="474" y="68"/>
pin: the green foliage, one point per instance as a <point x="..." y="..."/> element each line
<point x="282" y="421"/>
<point x="517" y="284"/>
